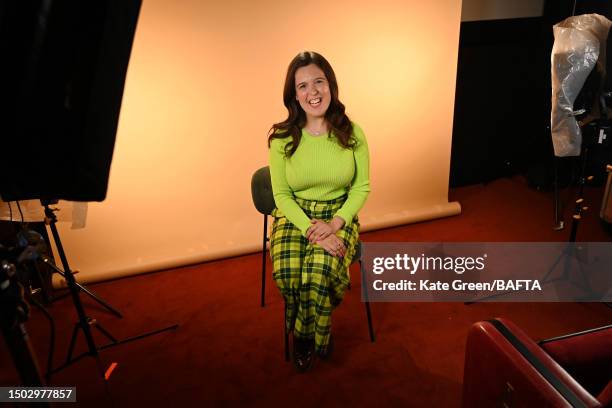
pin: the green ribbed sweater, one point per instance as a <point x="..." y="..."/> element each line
<point x="320" y="169"/>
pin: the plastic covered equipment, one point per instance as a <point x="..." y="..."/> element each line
<point x="580" y="45"/>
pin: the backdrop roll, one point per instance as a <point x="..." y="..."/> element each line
<point x="203" y="87"/>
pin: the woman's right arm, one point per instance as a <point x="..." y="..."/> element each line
<point x="283" y="195"/>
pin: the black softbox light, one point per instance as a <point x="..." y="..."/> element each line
<point x="62" y="76"/>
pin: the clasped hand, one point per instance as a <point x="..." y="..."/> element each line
<point x="323" y="234"/>
<point x="319" y="230"/>
<point x="333" y="245"/>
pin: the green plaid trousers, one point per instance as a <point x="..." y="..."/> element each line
<point x="312" y="281"/>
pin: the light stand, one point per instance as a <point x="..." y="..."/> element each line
<point x="49" y="262"/>
<point x="571" y="250"/>
<point x="558" y="223"/>
<point x="84" y="323"/>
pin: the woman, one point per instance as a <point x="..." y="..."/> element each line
<point x="320" y="179"/>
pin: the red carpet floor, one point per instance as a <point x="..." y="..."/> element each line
<point x="228" y="351"/>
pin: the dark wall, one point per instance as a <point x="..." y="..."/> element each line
<point x="502" y="98"/>
<point x="557" y="10"/>
<point x="502" y="101"/>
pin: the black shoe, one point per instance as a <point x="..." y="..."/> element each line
<point x="302" y="354"/>
<point x="324" y="355"/>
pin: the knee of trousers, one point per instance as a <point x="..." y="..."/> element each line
<point x="322" y="262"/>
<point x="287" y="279"/>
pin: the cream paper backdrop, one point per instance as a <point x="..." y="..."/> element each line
<point x="203" y="87"/>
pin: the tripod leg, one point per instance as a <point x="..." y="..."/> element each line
<point x="558" y="223"/>
<point x="104" y="332"/>
<point x="109" y="395"/>
<point x="141" y="336"/>
<point x="74" y="291"/>
<point x="84" y="289"/>
<point x="100" y="301"/>
<point x="75" y="331"/>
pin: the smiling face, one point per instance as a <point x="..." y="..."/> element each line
<point x="312" y="91"/>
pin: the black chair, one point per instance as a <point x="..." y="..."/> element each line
<point x="261" y="191"/>
<point x="263" y="198"/>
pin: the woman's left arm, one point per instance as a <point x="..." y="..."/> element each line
<point x="360" y="187"/>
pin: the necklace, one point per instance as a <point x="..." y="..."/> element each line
<point x="315" y="132"/>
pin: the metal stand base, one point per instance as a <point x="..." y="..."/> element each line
<point x="114" y="342"/>
<point x="85" y="323"/>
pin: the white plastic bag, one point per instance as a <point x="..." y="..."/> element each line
<point x="580" y="41"/>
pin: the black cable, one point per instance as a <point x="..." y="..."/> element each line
<point x="20" y="212"/>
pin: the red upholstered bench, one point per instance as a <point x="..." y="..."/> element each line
<point x="504" y="367"/>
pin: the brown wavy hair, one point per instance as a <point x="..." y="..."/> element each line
<point x="339" y="122"/>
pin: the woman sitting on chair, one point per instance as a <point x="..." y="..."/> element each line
<point x="319" y="167"/>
